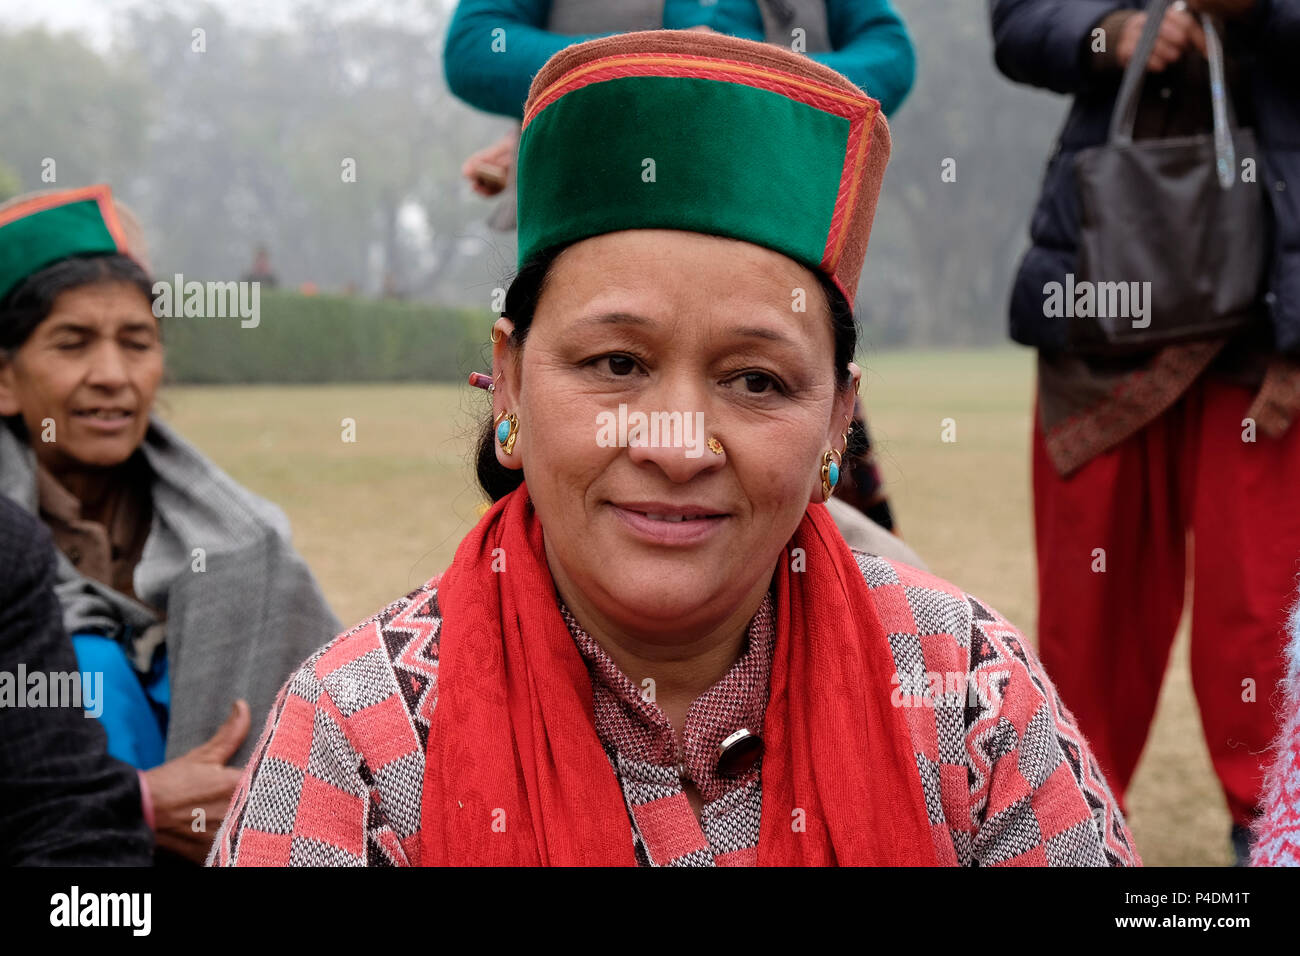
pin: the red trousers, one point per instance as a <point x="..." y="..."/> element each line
<point x="1184" y="497"/>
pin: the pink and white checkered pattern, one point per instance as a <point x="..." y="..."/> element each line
<point x="1008" y="779"/>
<point x="1277" y="831"/>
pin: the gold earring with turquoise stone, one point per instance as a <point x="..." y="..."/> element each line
<point x="507" y="431"/>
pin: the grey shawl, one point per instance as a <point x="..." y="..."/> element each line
<point x="241" y="614"/>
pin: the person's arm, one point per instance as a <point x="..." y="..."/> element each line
<point x="1042" y="799"/>
<point x="487" y="76"/>
<point x="198" y="780"/>
<point x="872" y="49"/>
<point x="63" y="800"/>
<point x="1042" y="42"/>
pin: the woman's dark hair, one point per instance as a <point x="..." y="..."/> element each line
<point x="521" y="304"/>
<point x="30" y="302"/>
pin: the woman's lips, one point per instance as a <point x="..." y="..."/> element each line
<point x="659" y="531"/>
<point x="105" y="421"/>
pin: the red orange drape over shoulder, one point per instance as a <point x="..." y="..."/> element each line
<point x="516" y="774"/>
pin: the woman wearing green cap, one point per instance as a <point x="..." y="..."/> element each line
<point x="655" y="648"/>
<point x="176" y="585"/>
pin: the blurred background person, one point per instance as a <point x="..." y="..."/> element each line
<point x="864" y="40"/>
<point x="178" y="584"/>
<point x="1134" y="452"/>
<point x="261" y="270"/>
<point x="494" y="48"/>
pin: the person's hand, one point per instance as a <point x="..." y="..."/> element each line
<point x="1179" y="31"/>
<point x="199" y="780"/>
<point x="488" y="170"/>
<point x="1228" y="9"/>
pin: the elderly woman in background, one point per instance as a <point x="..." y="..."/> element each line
<point x="176" y="583"/>
<point x="664" y="653"/>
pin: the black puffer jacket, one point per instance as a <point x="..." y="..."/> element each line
<point x="1042" y="43"/>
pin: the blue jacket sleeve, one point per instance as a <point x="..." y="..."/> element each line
<point x="872" y="49"/>
<point x="492" y="71"/>
<point x="1040" y="42"/>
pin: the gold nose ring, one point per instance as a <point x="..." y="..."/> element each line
<point x="715" y="446"/>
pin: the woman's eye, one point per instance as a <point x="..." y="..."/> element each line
<point x="620" y="364"/>
<point x="756" y="383"/>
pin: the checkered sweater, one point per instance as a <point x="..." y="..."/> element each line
<point x="337" y="777"/>
<point x="1277" y="831"/>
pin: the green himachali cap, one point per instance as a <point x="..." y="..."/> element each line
<point x="707" y="133"/>
<point x="47" y="227"/>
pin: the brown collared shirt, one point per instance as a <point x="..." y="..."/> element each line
<point x="639" y="741"/>
<point x="106" y="551"/>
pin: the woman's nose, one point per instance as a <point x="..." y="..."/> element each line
<point x="107" y="367"/>
<point x="673" y="435"/>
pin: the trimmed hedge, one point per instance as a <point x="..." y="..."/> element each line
<point x="329" y="338"/>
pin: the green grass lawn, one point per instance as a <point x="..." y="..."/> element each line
<point x="377" y="517"/>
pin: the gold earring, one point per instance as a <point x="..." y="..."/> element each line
<point x="497" y="335"/>
<point x="830" y="473"/>
<point x="507" y="431"/>
<point x="832" y="461"/>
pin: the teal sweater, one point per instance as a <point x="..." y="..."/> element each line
<point x="871" y="46"/>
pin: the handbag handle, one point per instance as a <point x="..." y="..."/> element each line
<point x="1126" y="102"/>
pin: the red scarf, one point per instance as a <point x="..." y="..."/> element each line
<point x="516" y="775"/>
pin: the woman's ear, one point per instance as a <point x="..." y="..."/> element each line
<point x="505" y="390"/>
<point x="8" y="392"/>
<point x="842" y="411"/>
<point x="841" y="418"/>
<point x="846" y="401"/>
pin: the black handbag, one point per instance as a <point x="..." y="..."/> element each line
<point x="1173" y="243"/>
